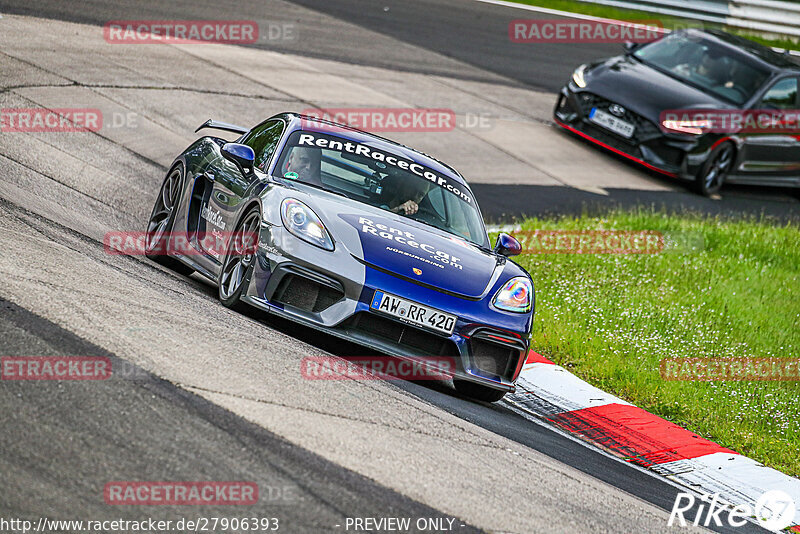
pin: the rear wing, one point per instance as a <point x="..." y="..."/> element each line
<point x="216" y="125"/>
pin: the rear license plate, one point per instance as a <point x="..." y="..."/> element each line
<point x="610" y="122"/>
<point x="413" y="313"/>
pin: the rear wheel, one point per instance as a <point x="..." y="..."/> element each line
<point x="714" y="171"/>
<point x="477" y="391"/>
<point x="239" y="259"/>
<point x="162" y="219"/>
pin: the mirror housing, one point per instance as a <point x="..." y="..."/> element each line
<point x="241" y="155"/>
<point x="507" y="246"/>
<point x="630" y="46"/>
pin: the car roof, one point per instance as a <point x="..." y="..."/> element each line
<point x="308" y="123"/>
<point x="764" y="54"/>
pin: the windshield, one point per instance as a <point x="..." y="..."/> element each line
<point x="705" y="64"/>
<point x="383" y="180"/>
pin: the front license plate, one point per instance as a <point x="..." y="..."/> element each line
<point x="411" y="312"/>
<point x="610" y="122"/>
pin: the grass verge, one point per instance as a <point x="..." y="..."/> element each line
<point x="668" y="22"/>
<point x="611" y="318"/>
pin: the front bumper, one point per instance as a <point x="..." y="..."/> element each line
<point x="674" y="156"/>
<point x="332" y="291"/>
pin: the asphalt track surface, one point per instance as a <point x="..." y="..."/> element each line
<point x="62" y="441"/>
<point x="467" y="31"/>
<point x="58" y="463"/>
<point x="442" y="36"/>
<point x="146" y="428"/>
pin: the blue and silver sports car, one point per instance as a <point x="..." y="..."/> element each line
<point x="357" y="236"/>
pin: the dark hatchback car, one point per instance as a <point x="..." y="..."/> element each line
<point x="621" y="104"/>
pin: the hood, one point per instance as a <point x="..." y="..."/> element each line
<point x="645" y="90"/>
<point x="411" y="251"/>
<point x="404" y="247"/>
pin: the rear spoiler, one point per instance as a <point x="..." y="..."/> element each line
<point x="216" y="125"/>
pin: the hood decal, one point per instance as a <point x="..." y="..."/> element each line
<point x="449" y="264"/>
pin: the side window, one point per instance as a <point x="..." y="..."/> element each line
<point x="782" y="95"/>
<point x="263" y="140"/>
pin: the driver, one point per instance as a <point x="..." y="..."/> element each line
<point x="714" y="68"/>
<point x="306" y="163"/>
<point x="405" y="193"/>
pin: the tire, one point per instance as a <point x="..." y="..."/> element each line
<point x="239" y="260"/>
<point x="714" y="171"/>
<point x="161" y="221"/>
<point x="477" y="391"/>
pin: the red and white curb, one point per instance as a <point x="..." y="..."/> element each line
<point x="550" y="392"/>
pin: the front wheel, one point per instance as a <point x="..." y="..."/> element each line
<point x="239" y="259"/>
<point x="477" y="391"/>
<point x="162" y="220"/>
<point x="714" y="171"/>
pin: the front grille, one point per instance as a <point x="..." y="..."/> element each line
<point x="426" y="343"/>
<point x="493" y="358"/>
<point x="645" y="130"/>
<point x="305" y="294"/>
<point x="608" y="138"/>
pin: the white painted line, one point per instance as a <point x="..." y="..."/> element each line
<point x="589" y="445"/>
<point x="569" y="14"/>
<point x="737" y="479"/>
<point x="545" y="389"/>
<point x="560" y="388"/>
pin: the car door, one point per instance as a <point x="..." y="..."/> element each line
<point x="774" y="154"/>
<point x="230" y="187"/>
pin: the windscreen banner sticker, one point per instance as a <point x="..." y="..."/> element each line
<point x="344" y="145"/>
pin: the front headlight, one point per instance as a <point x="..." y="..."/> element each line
<point x="693" y="127"/>
<point x="515" y="296"/>
<point x="301" y="221"/>
<point x="578" y="76"/>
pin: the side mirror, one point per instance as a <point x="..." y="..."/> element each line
<point x="507" y="246"/>
<point x="630" y="46"/>
<point x="241" y="155"/>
